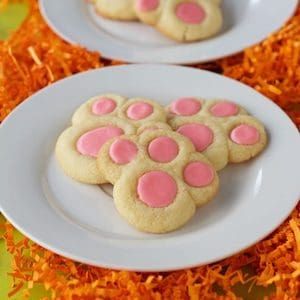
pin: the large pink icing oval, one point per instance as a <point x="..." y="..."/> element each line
<point x="198" y="174"/>
<point x="190" y="13"/>
<point x="103" y="106"/>
<point x="200" y="135"/>
<point x="157" y="189"/>
<point x="139" y="110"/>
<point x="245" y="135"/>
<point x="147" y="5"/>
<point x="123" y="151"/>
<point x="185" y="106"/>
<point x="163" y="149"/>
<point x="91" y="142"/>
<point x="224" y="109"/>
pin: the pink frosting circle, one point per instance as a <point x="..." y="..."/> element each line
<point x="163" y="149"/>
<point x="103" y="106"/>
<point x="139" y="110"/>
<point x="190" y="12"/>
<point x="224" y="109"/>
<point x="91" y="142"/>
<point x="157" y="189"/>
<point x="147" y="5"/>
<point x="123" y="151"/>
<point x="198" y="174"/>
<point x="185" y="106"/>
<point x="245" y="135"/>
<point x="200" y="135"/>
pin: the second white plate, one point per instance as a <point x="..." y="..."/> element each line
<point x="79" y="221"/>
<point x="246" y="22"/>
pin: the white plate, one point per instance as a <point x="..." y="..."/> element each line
<point x="79" y="221"/>
<point x="247" y="22"/>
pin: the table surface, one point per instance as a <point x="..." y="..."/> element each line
<point x="10" y="19"/>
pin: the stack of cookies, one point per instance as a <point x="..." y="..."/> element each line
<point x="181" y="20"/>
<point x="162" y="161"/>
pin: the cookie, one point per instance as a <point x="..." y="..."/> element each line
<point x="97" y="107"/>
<point x="149" y="11"/>
<point x="208" y="137"/>
<point x="138" y="111"/>
<point x="78" y="146"/>
<point x="220" y="110"/>
<point x="246" y="136"/>
<point x="151" y="126"/>
<point x="122" y="10"/>
<point x="166" y="149"/>
<point x="188" y="21"/>
<point x="200" y="178"/>
<point x="117" y="155"/>
<point x="185" y="107"/>
<point x="153" y="200"/>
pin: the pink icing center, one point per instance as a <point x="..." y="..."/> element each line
<point x="147" y="5"/>
<point x="157" y="189"/>
<point x="190" y="13"/>
<point x="139" y="110"/>
<point x="91" y="142"/>
<point x="198" y="174"/>
<point x="185" y="107"/>
<point x="245" y="135"/>
<point x="103" y="106"/>
<point x="163" y="149"/>
<point x="224" y="109"/>
<point x="200" y="135"/>
<point x="123" y="151"/>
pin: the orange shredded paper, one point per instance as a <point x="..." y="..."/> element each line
<point x="34" y="57"/>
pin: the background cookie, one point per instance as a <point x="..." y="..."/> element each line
<point x="166" y="149"/>
<point x="200" y="178"/>
<point x="149" y="11"/>
<point x="138" y="111"/>
<point x="153" y="200"/>
<point x="99" y="106"/>
<point x="246" y="138"/>
<point x="208" y="137"/>
<point x="189" y="21"/>
<point x="116" y="9"/>
<point x="117" y="154"/>
<point x="78" y="146"/>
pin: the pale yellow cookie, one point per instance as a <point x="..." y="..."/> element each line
<point x="185" y="107"/>
<point x="187" y="21"/>
<point x="153" y="200"/>
<point x="208" y="137"/>
<point x="151" y="126"/>
<point x="100" y="106"/>
<point x="220" y="110"/>
<point x="149" y="11"/>
<point x="166" y="149"/>
<point x="246" y="137"/>
<point x="78" y="146"/>
<point x="139" y="111"/>
<point x="122" y="10"/>
<point x="200" y="178"/>
<point x="117" y="155"/>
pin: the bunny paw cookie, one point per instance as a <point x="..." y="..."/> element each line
<point x="153" y="200"/>
<point x="182" y="20"/>
<point x="116" y="9"/>
<point x="78" y="146"/>
<point x="99" y="106"/>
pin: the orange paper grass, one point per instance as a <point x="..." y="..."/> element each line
<point x="35" y="57"/>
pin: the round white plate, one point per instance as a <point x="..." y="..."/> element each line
<point x="246" y="22"/>
<point x="79" y="221"/>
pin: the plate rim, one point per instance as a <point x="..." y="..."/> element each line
<point x="126" y="267"/>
